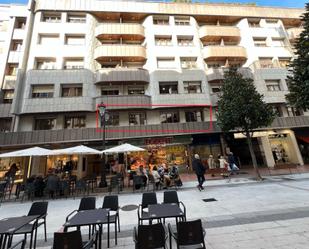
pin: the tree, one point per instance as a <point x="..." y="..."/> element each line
<point x="298" y="82"/>
<point x="241" y="108"/>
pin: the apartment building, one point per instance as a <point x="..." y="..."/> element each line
<point x="158" y="68"/>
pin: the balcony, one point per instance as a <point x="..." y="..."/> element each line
<point x="9" y="82"/>
<point x="129" y="31"/>
<point x="124" y="52"/>
<point x="122" y="75"/>
<point x="235" y="53"/>
<point x="218" y="73"/>
<point x="216" y="33"/>
<point x="294" y="33"/>
<point x="124" y="101"/>
<point x="5" y="110"/>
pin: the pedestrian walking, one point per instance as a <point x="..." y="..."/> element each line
<point x="232" y="163"/>
<point x="199" y="169"/>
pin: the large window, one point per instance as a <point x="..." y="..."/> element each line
<point x="74" y="122"/>
<point x="185" y="41"/>
<point x="161" y="20"/>
<point x="163" y="40"/>
<point x="136" y="90"/>
<point x="46" y="63"/>
<point x="194" y="116"/>
<point x="8" y="96"/>
<point x="74" y="63"/>
<point x="284" y="62"/>
<point x="259" y="41"/>
<point x="169" y="117"/>
<point x="273" y="85"/>
<point x="11" y="69"/>
<point x="76" y="18"/>
<point x="5" y="124"/>
<point x="51" y="17"/>
<point x="42" y="91"/>
<point x="75" y="40"/>
<point x="109" y="91"/>
<point x="188" y="62"/>
<point x="168" y="87"/>
<point x="113" y="119"/>
<point x="16" y="45"/>
<point x="277" y="110"/>
<point x="137" y="118"/>
<point x="50" y="39"/>
<point x="278" y="42"/>
<point x="72" y="91"/>
<point x="44" y="123"/>
<point x="192" y="86"/>
<point x="254" y="23"/>
<point x="182" y="20"/>
<point x="166" y="63"/>
<point x="292" y="111"/>
<point x="266" y="62"/>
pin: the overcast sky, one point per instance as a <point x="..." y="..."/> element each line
<point x="285" y="3"/>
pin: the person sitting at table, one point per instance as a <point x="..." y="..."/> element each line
<point x="156" y="176"/>
<point x="142" y="172"/>
<point x="10" y="174"/>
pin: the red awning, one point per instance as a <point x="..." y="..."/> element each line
<point x="304" y="138"/>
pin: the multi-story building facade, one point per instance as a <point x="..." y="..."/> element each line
<point x="158" y="67"/>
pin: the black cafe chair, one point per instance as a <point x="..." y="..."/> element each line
<point x="172" y="197"/>
<point x="111" y="202"/>
<point x="18" y="245"/>
<point x="147" y="199"/>
<point x="86" y="203"/>
<point x="73" y="240"/>
<point x="150" y="236"/>
<point x="40" y="209"/>
<point x="189" y="233"/>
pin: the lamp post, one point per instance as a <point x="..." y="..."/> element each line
<point x="103" y="115"/>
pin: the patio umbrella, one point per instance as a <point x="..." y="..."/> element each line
<point x="80" y="149"/>
<point x="123" y="148"/>
<point x="34" y="151"/>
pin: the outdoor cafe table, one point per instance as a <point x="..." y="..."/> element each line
<point x="90" y="217"/>
<point x="165" y="210"/>
<point x="10" y="225"/>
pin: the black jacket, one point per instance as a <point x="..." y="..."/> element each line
<point x="198" y="167"/>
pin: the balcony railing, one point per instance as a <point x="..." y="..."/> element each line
<point x="122" y="75"/>
<point x="224" y="52"/>
<point x="210" y="32"/>
<point x="134" y="31"/>
<point x="124" y="101"/>
<point x="9" y="82"/>
<point x="5" y="110"/>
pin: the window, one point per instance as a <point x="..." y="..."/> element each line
<point x="277" y="110"/>
<point x="74" y="122"/>
<point x="16" y="45"/>
<point x="12" y="69"/>
<point x="194" y="116"/>
<point x="113" y="119"/>
<point x="76" y="63"/>
<point x="136" y="90"/>
<point x="278" y="42"/>
<point x="266" y="62"/>
<point x="182" y="20"/>
<point x="20" y="23"/>
<point x="292" y="111"/>
<point x="185" y="41"/>
<point x="76" y="18"/>
<point x="259" y="41"/>
<point x="188" y="62"/>
<point x="75" y="40"/>
<point x="169" y="117"/>
<point x="163" y="40"/>
<point x="50" y="39"/>
<point x="274" y="21"/>
<point x="46" y="63"/>
<point x="192" y="86"/>
<point x="72" y="91"/>
<point x="5" y="124"/>
<point x="42" y="91"/>
<point x="284" y="62"/>
<point x="216" y="89"/>
<point x="168" y="87"/>
<point x="44" y="123"/>
<point x="273" y="85"/>
<point x="161" y="20"/>
<point x="8" y="96"/>
<point x="137" y="118"/>
<point x="109" y="91"/>
<point x="216" y="64"/>
<point x="166" y="62"/>
<point x="51" y="17"/>
<point x="254" y="23"/>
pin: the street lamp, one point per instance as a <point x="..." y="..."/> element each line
<point x="104" y="116"/>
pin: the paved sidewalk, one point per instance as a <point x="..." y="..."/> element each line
<point x="270" y="214"/>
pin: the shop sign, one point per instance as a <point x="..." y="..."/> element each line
<point x="158" y="141"/>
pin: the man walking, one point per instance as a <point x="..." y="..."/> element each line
<point x="199" y="169"/>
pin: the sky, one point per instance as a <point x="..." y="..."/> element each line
<point x="283" y="3"/>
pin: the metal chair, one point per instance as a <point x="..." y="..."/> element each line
<point x="147" y="199"/>
<point x="40" y="209"/>
<point x="2" y="191"/>
<point x="114" y="183"/>
<point x="73" y="240"/>
<point x="150" y="236"/>
<point x="189" y="233"/>
<point x="22" y="244"/>
<point x="111" y="202"/>
<point x="172" y="197"/>
<point x="80" y="186"/>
